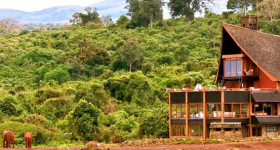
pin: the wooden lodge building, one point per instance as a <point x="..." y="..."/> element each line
<point x="248" y="103"/>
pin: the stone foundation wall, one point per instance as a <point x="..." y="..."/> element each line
<point x="225" y="134"/>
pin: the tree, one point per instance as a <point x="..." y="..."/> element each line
<point x="122" y="20"/>
<point x="131" y="52"/>
<point x="144" y="12"/>
<point x="106" y="20"/>
<point x="9" y="25"/>
<point x="90" y="16"/>
<point x="151" y="10"/>
<point x="186" y="8"/>
<point x="76" y="18"/>
<point x="240" y="5"/>
<point x="83" y="120"/>
<point x="270" y="9"/>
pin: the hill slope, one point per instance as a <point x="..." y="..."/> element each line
<point x="73" y="79"/>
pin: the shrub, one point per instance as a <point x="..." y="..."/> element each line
<point x="40" y="135"/>
<point x="56" y="107"/>
<point x="83" y="120"/>
<point x="59" y="75"/>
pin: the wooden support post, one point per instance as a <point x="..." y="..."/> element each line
<point x="278" y="109"/>
<point x="250" y="114"/>
<point x="204" y="115"/>
<point x="187" y="113"/>
<point x="170" y="114"/>
<point x="222" y="105"/>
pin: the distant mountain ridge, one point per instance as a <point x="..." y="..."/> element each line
<point x="61" y="14"/>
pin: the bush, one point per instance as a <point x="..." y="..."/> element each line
<point x="83" y="121"/>
<point x="59" y="75"/>
<point x="22" y="32"/>
<point x="40" y="135"/>
<point x="56" y="107"/>
<point x="44" y="94"/>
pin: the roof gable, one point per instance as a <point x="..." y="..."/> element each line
<point x="263" y="49"/>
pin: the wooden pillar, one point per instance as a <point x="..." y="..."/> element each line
<point x="278" y="104"/>
<point x="170" y="114"/>
<point x="250" y="114"/>
<point x="278" y="109"/>
<point x="187" y="113"/>
<point x="222" y="105"/>
<point x="204" y="115"/>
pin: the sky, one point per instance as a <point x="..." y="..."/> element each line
<point x="36" y="5"/>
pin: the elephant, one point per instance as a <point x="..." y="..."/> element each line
<point x="8" y="138"/>
<point x="28" y="139"/>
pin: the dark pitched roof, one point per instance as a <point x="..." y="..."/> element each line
<point x="262" y="48"/>
<point x="266" y="119"/>
<point x="266" y="96"/>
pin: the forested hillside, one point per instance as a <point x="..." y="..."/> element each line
<point x="104" y="83"/>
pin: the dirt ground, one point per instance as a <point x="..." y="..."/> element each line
<point x="219" y="146"/>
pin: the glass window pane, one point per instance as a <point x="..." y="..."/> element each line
<point x="178" y="111"/>
<point x="227" y="68"/>
<point x="191" y="112"/>
<point x="228" y="111"/>
<point x="195" y="130"/>
<point x="219" y="108"/>
<point x="244" y="110"/>
<point x="258" y="108"/>
<point x="267" y="109"/>
<point x="233" y="68"/>
<point x="200" y="111"/>
<point x="236" y="110"/>
<point x="209" y="111"/>
<point x="239" y="68"/>
<point x="178" y="130"/>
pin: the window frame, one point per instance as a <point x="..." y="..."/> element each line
<point x="271" y="128"/>
<point x="198" y="110"/>
<point x="240" y="115"/>
<point x="231" y="61"/>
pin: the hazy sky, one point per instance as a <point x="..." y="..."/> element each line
<point x="35" y="5"/>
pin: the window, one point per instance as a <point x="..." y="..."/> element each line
<point x="178" y="130"/>
<point x="244" y="110"/>
<point x="227" y="129"/>
<point x="228" y="111"/>
<point x="233" y="67"/>
<point x="195" y="130"/>
<point x="196" y="111"/>
<point x="236" y="111"/>
<point x="265" y="108"/>
<point x="178" y="111"/>
<point x="271" y="128"/>
<point x="218" y="129"/>
<point x="214" y="110"/>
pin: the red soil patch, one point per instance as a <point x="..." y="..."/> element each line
<point x="218" y="146"/>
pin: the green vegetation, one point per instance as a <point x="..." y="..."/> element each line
<point x="108" y="83"/>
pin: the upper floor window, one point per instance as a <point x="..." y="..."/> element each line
<point x="233" y="67"/>
<point x="236" y="110"/>
<point x="178" y="111"/>
<point x="264" y="108"/>
<point x="196" y="111"/>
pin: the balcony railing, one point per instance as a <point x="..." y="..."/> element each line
<point x="223" y="88"/>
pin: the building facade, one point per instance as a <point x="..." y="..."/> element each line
<point x="248" y="102"/>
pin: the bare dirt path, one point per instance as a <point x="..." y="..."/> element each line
<point x="219" y="146"/>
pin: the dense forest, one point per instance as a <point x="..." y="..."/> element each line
<point x="105" y="81"/>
